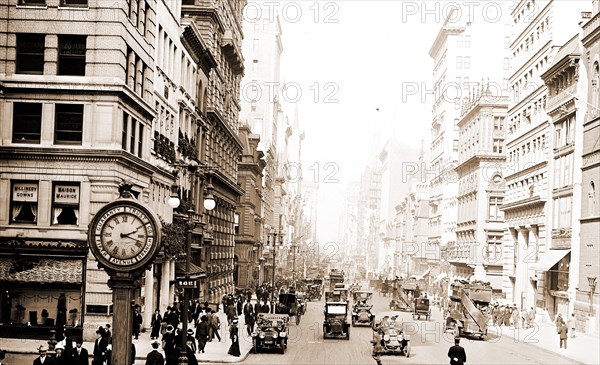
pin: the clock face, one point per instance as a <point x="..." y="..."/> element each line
<point x="123" y="235"/>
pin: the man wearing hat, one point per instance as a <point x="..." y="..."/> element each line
<point x="191" y="340"/>
<point x="60" y="357"/>
<point x="457" y="353"/>
<point x="44" y="359"/>
<point x="78" y="355"/>
<point x="154" y="357"/>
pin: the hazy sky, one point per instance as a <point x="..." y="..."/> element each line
<point x="349" y="58"/>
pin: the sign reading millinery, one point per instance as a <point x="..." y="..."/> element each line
<point x="25" y="192"/>
<point x="124" y="235"/>
<point x="66" y="194"/>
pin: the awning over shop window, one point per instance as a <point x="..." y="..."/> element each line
<point x="440" y="277"/>
<point x="195" y="271"/>
<point x="549" y="259"/>
<point x="41" y="270"/>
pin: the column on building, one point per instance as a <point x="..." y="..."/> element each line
<point x="149" y="297"/>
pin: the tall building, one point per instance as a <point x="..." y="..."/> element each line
<point x="538" y="30"/>
<point x="220" y="24"/>
<point x="248" y="247"/>
<point x="480" y="221"/>
<point x="586" y="296"/>
<point x="105" y="94"/>
<point x="466" y="46"/>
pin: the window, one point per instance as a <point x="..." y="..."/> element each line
<point x="255" y="43"/>
<point x="506" y="42"/>
<point x="132" y="135"/>
<point x="467" y="41"/>
<point x="65" y="204"/>
<point x="32" y="2"/>
<point x="495" y="214"/>
<point x="455" y="145"/>
<point x="498" y="123"/>
<point x="467" y="63"/>
<point x="71" y="55"/>
<point x="458" y="61"/>
<point x="253" y="106"/>
<point x="23" y="207"/>
<point x="494" y="248"/>
<point x="459" y="41"/>
<point x="236" y="223"/>
<point x="497" y="148"/>
<point x="124" y="132"/>
<point x="254" y="65"/>
<point x="68" y="126"/>
<point x="73" y="2"/>
<point x="592" y="200"/>
<point x="506" y="63"/>
<point x="27" y="122"/>
<point x="30" y="53"/>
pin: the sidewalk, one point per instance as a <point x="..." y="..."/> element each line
<point x="215" y="352"/>
<point x="582" y="348"/>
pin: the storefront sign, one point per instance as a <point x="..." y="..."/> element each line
<point x="187" y="283"/>
<point x="25" y="192"/>
<point x="66" y="194"/>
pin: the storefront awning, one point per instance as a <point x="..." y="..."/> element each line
<point x="195" y="271"/>
<point x="549" y="259"/>
<point x="41" y="270"/>
<point x="422" y="276"/>
<point x="440" y="277"/>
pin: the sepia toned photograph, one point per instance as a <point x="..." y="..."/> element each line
<point x="189" y="182"/>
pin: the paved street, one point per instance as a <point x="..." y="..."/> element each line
<point x="429" y="345"/>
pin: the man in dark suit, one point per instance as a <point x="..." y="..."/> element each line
<point x="154" y="357"/>
<point x="44" y="359"/>
<point x="457" y="353"/>
<point x="78" y="355"/>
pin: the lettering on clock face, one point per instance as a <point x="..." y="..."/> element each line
<point x="124" y="235"/>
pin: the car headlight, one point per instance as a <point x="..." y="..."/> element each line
<point x="282" y="334"/>
<point x="353" y="313"/>
<point x="254" y="334"/>
<point x="386" y="337"/>
<point x="261" y="335"/>
<point x="278" y="328"/>
<point x="275" y="335"/>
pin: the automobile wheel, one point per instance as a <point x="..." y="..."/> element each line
<point x="408" y="349"/>
<point x="297" y="320"/>
<point x="254" y="346"/>
<point x="348" y="333"/>
<point x="353" y="322"/>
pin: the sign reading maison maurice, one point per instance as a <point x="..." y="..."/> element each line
<point x="25" y="192"/>
<point x="66" y="194"/>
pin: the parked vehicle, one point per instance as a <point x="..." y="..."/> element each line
<point x="404" y="294"/>
<point x="270" y="332"/>
<point x="336" y="320"/>
<point x="392" y="340"/>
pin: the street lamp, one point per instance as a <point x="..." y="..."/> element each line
<point x="592" y="283"/>
<point x="173" y="202"/>
<point x="274" y="235"/>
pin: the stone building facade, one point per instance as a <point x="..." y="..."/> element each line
<point x="586" y="301"/>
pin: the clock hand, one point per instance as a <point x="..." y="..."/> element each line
<point x="123" y="235"/>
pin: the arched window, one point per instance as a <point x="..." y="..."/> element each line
<point x="592" y="200"/>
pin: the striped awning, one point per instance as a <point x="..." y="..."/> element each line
<point x="41" y="270"/>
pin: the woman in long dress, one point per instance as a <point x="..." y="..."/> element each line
<point x="234" y="349"/>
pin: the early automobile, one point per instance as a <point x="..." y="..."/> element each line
<point x="288" y="304"/>
<point x="390" y="339"/>
<point x="270" y="332"/>
<point x="361" y="311"/>
<point x="336" y="320"/>
<point x="421" y="308"/>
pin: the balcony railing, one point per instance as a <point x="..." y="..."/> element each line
<point x="591" y="26"/>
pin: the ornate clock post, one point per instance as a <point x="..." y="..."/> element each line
<point x="124" y="236"/>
